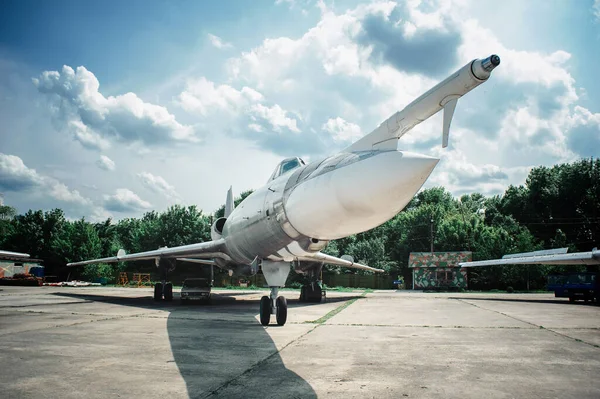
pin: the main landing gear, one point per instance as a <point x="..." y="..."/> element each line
<point x="312" y="293"/>
<point x="164" y="289"/>
<point x="273" y="305"/>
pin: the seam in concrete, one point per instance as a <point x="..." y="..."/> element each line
<point x="255" y="365"/>
<point x="427" y="326"/>
<point x="65" y="325"/>
<point x="533" y="324"/>
<point x="44" y="304"/>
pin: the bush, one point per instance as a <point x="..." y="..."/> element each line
<point x="510" y="289"/>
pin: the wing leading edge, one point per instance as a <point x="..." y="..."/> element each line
<point x="332" y="260"/>
<point x="577" y="258"/>
<point x="209" y="249"/>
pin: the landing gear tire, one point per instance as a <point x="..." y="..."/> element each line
<point x="158" y="291"/>
<point x="281" y="314"/>
<point x="168" y="292"/>
<point x="265" y="310"/>
<point x="311" y="293"/>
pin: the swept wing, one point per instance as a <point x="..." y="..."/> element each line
<point x="332" y="260"/>
<point x="209" y="249"/>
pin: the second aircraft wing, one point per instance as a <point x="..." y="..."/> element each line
<point x="577" y="258"/>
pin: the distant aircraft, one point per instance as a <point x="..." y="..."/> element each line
<point x="302" y="207"/>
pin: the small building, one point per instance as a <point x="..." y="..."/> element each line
<point x="11" y="265"/>
<point x="439" y="270"/>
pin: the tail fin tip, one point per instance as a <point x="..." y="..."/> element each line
<point x="229" y="205"/>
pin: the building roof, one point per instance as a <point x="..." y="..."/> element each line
<point x="5" y="258"/>
<point x="438" y="259"/>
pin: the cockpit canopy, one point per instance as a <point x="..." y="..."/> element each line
<point x="287" y="165"/>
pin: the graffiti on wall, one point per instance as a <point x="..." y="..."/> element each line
<point x="439" y="269"/>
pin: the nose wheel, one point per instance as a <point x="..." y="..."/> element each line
<point x="273" y="305"/>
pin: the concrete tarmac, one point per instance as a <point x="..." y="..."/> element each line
<point x="118" y="343"/>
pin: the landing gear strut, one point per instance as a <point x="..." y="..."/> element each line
<point x="273" y="305"/>
<point x="275" y="273"/>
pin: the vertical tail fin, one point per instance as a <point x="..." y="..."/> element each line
<point x="229" y="205"/>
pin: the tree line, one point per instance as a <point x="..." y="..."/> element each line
<point x="558" y="206"/>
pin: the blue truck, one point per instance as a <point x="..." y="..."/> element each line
<point x="577" y="286"/>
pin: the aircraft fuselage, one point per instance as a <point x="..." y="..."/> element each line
<point x="299" y="212"/>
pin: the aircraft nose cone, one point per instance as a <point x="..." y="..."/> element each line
<point x="359" y="196"/>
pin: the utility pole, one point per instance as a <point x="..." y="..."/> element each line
<point x="431" y="233"/>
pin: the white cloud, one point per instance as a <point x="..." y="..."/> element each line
<point x="105" y="163"/>
<point x="218" y="42"/>
<point x="275" y="116"/>
<point x="16" y="176"/>
<point x="596" y="9"/>
<point x="159" y="185"/>
<point x="125" y="200"/>
<point x="341" y="130"/>
<point x="203" y="96"/>
<point x="256" y="127"/>
<point x="95" y="119"/>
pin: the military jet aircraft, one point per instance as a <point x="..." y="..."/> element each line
<point x="304" y="206"/>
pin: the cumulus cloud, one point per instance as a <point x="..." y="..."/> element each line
<point x="16" y="176"/>
<point x="458" y="175"/>
<point x="218" y="42"/>
<point x="275" y="116"/>
<point x="341" y="130"/>
<point x="105" y="163"/>
<point x="203" y="96"/>
<point x="159" y="185"/>
<point x="125" y="200"/>
<point x="415" y="47"/>
<point x="596" y="9"/>
<point x="95" y="119"/>
<point x="584" y="135"/>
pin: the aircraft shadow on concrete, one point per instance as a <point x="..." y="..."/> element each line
<point x="221" y="349"/>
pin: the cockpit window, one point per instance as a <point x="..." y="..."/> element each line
<point x="289" y="165"/>
<point x="286" y="165"/>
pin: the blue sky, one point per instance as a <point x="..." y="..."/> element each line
<point x="115" y="108"/>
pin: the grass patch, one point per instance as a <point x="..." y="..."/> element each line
<point x="333" y="312"/>
<point x="336" y="310"/>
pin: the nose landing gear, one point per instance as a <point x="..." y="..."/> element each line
<point x="275" y="273"/>
<point x="273" y="305"/>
